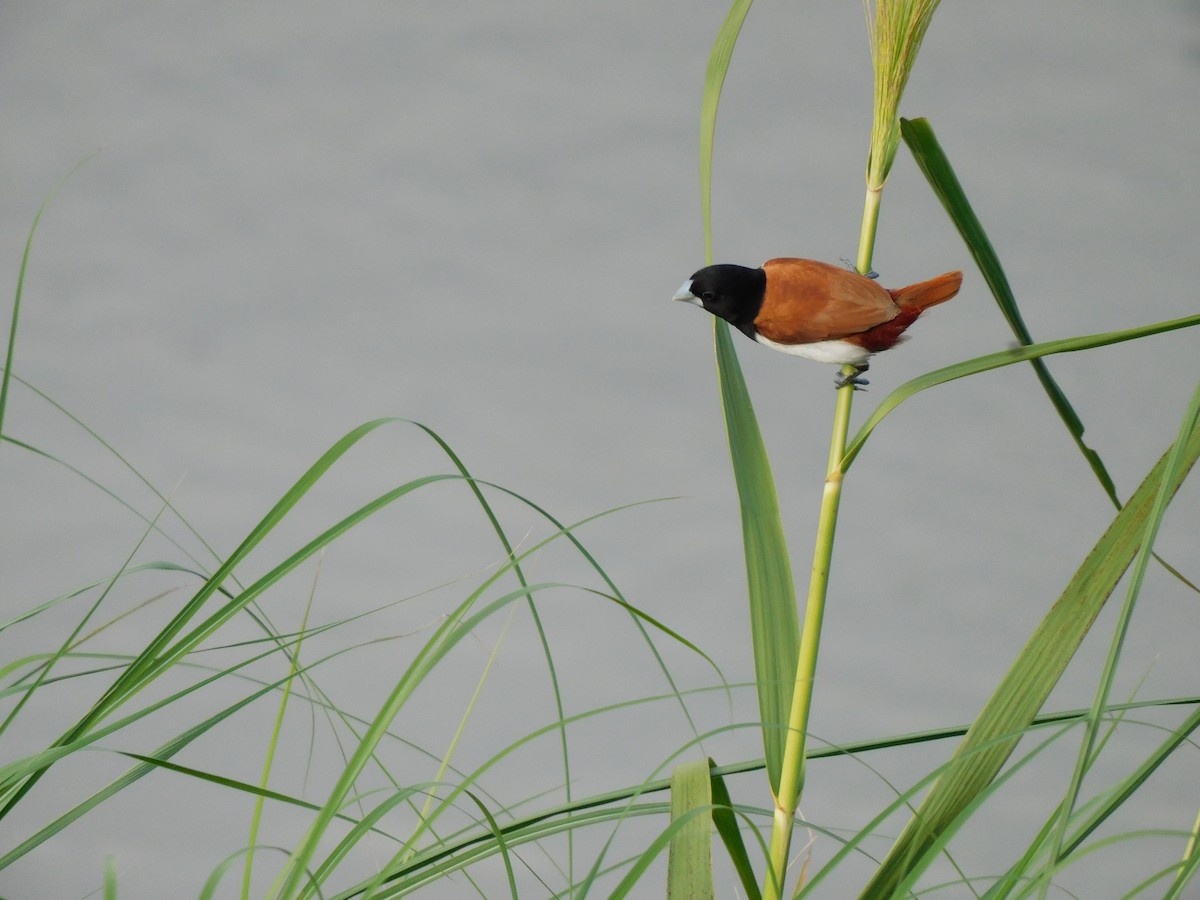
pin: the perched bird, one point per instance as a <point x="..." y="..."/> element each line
<point x="815" y="310"/>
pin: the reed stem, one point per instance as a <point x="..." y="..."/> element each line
<point x="896" y="31"/>
<point x="791" y="783"/>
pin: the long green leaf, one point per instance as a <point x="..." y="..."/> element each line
<point x="727" y="826"/>
<point x="774" y="620"/>
<point x="1175" y="465"/>
<point x="932" y="160"/>
<point x="997" y="361"/>
<point x="935" y="165"/>
<point x="499" y="835"/>
<point x="775" y="623"/>
<point x="689" y="867"/>
<point x="714" y="79"/>
<point x="1028" y="683"/>
<point x="39" y="762"/>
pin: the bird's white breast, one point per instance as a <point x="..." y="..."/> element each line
<point x="839" y="353"/>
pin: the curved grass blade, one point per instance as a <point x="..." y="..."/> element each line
<point x="997" y="361"/>
<point x="1085" y="825"/>
<point x="934" y="164"/>
<point x="1188" y="866"/>
<point x="500" y="842"/>
<point x="213" y="883"/>
<point x="689" y="866"/>
<point x="714" y="80"/>
<point x="932" y="161"/>
<point x="20" y="290"/>
<point x="1174" y="468"/>
<point x="1028" y="683"/>
<point x="727" y="827"/>
<point x="774" y="620"/>
<point x="459" y="624"/>
<point x="519" y="572"/>
<point x="164" y="650"/>
<point x="27" y="769"/>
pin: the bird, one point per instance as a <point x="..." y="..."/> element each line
<point x="815" y="310"/>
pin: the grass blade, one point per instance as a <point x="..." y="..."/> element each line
<point x="934" y="164"/>
<point x="1028" y="683"/>
<point x="714" y="79"/>
<point x="774" y="620"/>
<point x="500" y="842"/>
<point x="689" y="867"/>
<point x="1174" y="469"/>
<point x="20" y="290"/>
<point x="727" y="827"/>
<point x="1121" y="792"/>
<point x="997" y="361"/>
<point x="775" y="623"/>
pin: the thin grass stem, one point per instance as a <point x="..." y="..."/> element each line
<point x="896" y="34"/>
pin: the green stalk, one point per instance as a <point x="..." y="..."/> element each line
<point x="791" y="784"/>
<point x="866" y="243"/>
<point x="794" y="754"/>
<point x="896" y="29"/>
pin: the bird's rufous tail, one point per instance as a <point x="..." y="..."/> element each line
<point x="929" y="293"/>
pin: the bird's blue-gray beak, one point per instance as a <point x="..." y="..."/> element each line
<point x="685" y="294"/>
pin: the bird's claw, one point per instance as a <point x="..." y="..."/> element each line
<point x="849" y="264"/>
<point x="855" y="381"/>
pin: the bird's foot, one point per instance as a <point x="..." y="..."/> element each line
<point x="855" y="381"/>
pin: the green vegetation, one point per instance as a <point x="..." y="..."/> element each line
<point x="420" y="832"/>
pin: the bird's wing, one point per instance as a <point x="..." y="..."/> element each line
<point x="808" y="301"/>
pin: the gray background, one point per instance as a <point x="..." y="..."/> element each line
<point x="298" y="217"/>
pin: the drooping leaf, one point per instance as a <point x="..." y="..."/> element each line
<point x="727" y="827"/>
<point x="932" y="160"/>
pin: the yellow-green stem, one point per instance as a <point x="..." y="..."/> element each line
<point x="791" y="782"/>
<point x="866" y="244"/>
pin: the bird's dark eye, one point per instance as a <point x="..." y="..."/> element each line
<point x="707" y="295"/>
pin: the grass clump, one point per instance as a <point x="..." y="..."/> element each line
<point x="397" y="811"/>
